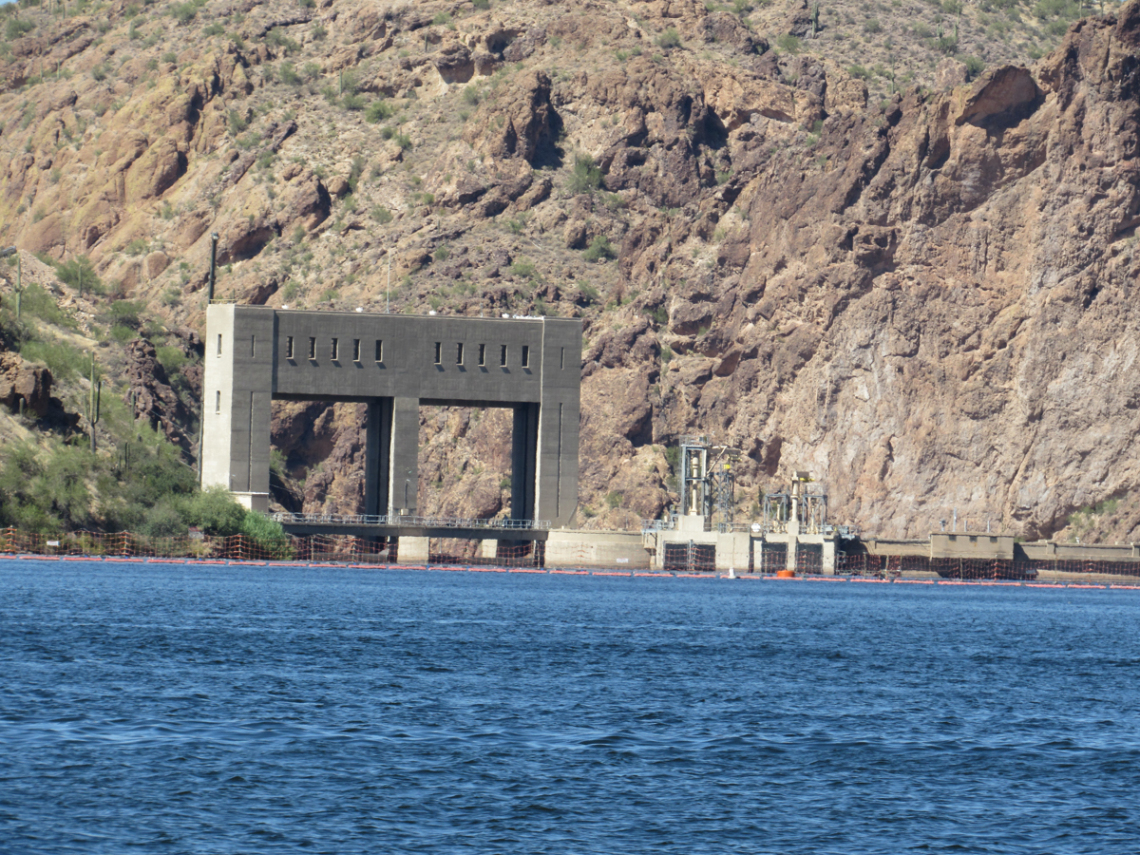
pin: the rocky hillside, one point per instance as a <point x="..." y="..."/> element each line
<point x="916" y="284"/>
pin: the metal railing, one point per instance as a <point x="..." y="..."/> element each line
<point x="410" y="521"/>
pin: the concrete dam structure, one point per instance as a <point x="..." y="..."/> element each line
<point x="394" y="363"/>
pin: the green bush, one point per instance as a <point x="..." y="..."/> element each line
<point x="481" y="4"/>
<point x="600" y="249"/>
<point x="172" y="359"/>
<point x="123" y="334"/>
<point x="974" y="67"/>
<point x="36" y="302"/>
<point x="381" y="215"/>
<point x="163" y="520"/>
<point x="214" y="511"/>
<point x="278" y="38"/>
<point x="287" y="73"/>
<point x="378" y="111"/>
<point x="63" y="360"/>
<point x="669" y="39"/>
<point x="268" y="534"/>
<point x="80" y="274"/>
<point x="17" y="27"/>
<point x="586" y="176"/>
<point x="789" y="43"/>
<point x="126" y="312"/>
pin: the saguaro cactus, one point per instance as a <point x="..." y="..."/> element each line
<point x="95" y="394"/>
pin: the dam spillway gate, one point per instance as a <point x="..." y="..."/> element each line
<point x="394" y="363"/>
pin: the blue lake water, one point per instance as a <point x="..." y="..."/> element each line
<point x="193" y="709"/>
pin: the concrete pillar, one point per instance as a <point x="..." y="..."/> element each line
<point x="524" y="444"/>
<point x="556" y="466"/>
<point x="413" y="550"/>
<point x="377" y="457"/>
<point x="732" y="551"/>
<point x="793" y="542"/>
<point x="237" y="393"/>
<point x="829" y="558"/>
<point x="404" y="456"/>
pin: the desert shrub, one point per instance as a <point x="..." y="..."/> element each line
<point x="267" y="533"/>
<point x="127" y="312"/>
<point x="172" y="359"/>
<point x="18" y="27"/>
<point x="214" y="511"/>
<point x="600" y="249"/>
<point x="585" y="177"/>
<point x="64" y="360"/>
<point x="974" y="67"/>
<point x="80" y="274"/>
<point x="789" y="43"/>
<point x="287" y="73"/>
<point x="669" y="39"/>
<point x="378" y="111"/>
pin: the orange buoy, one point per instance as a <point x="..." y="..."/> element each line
<point x="785" y="574"/>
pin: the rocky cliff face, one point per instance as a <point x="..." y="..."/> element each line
<point x="925" y="299"/>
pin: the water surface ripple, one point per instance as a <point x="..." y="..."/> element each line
<point x="234" y="709"/>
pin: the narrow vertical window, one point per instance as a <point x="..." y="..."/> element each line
<point x="219" y="344"/>
<point x="503" y="355"/>
<point x="335" y="350"/>
<point x="379" y="350"/>
<point x="312" y="347"/>
<point x="289" y="347"/>
<point x="356" y="350"/>
<point x="526" y="356"/>
<point x="438" y="352"/>
<point x="217" y="402"/>
<point x="482" y="355"/>
<point x="253" y="345"/>
<point x="561" y="358"/>
<point x="459" y="354"/>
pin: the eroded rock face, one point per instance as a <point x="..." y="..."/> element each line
<point x="20" y="381"/>
<point x="151" y="395"/>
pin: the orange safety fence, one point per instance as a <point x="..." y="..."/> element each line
<point x="678" y="558"/>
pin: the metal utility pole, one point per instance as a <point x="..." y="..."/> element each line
<point x="213" y="266"/>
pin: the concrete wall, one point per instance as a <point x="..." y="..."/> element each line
<point x="971" y="546"/>
<point x="395" y="363"/>
<point x="577" y="548"/>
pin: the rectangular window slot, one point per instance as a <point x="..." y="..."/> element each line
<point x="459" y="354"/>
<point x="379" y="350"/>
<point x="438" y="352"/>
<point x="561" y="358"/>
<point x="526" y="356"/>
<point x="503" y="356"/>
<point x="219" y="344"/>
<point x="217" y="402"/>
<point x="335" y="350"/>
<point x="312" y="347"/>
<point x="289" y="347"/>
<point x="482" y="355"/>
<point x="253" y="345"/>
<point x="356" y="350"/>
